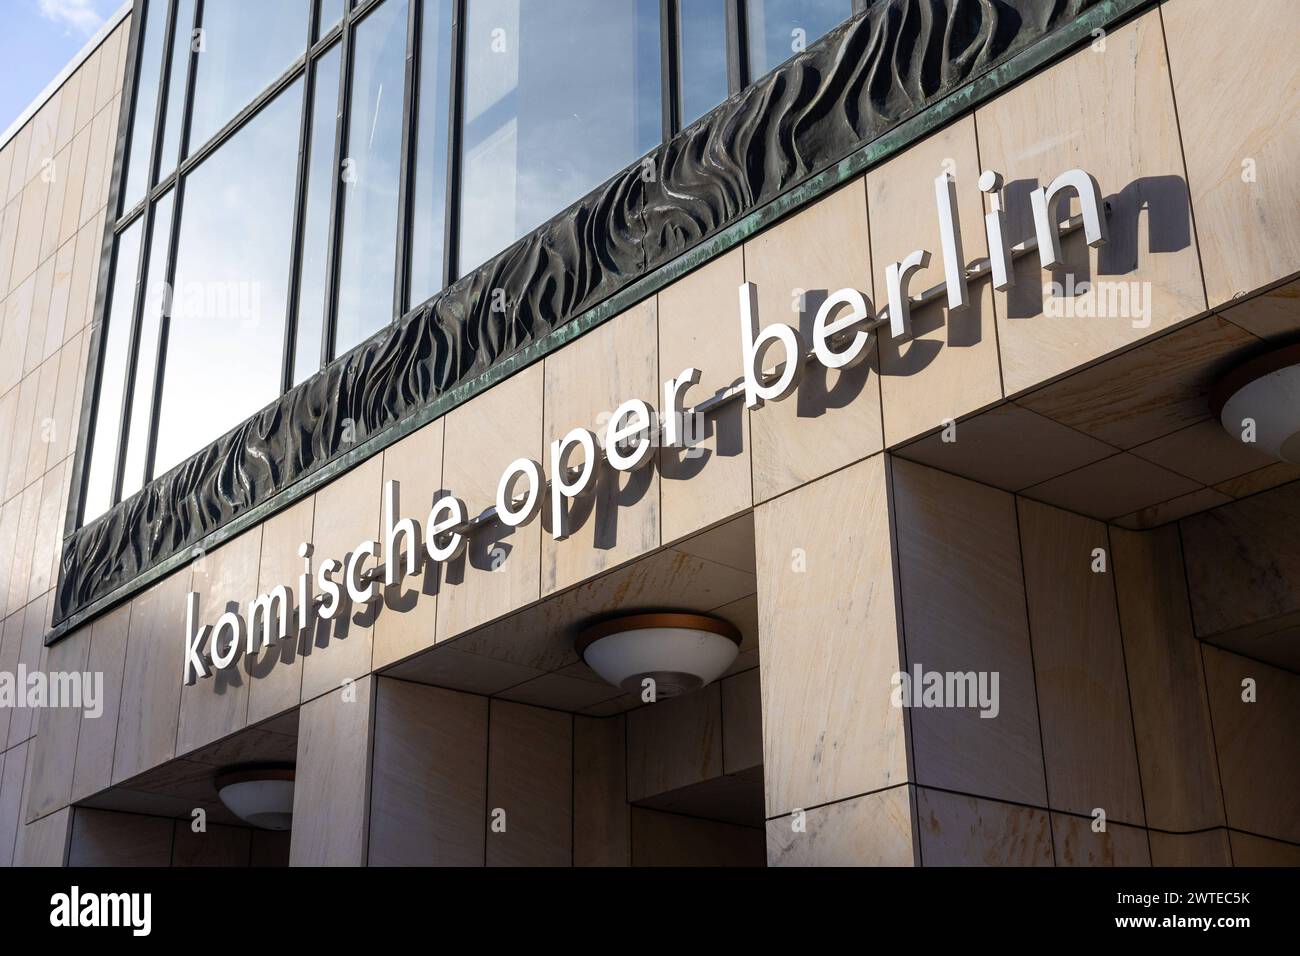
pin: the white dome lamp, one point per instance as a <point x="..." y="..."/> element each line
<point x="262" y="796"/>
<point x="680" y="652"/>
<point x="1260" y="400"/>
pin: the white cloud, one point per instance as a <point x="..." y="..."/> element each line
<point x="79" y="15"/>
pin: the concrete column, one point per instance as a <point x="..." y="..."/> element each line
<point x="835" y="756"/>
<point x="331" y="804"/>
<point x="428" y="777"/>
<point x="601" y="815"/>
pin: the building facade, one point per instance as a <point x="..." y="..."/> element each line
<point x="370" y="370"/>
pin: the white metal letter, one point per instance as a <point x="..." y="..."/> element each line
<point x="356" y="561"/>
<point x="448" y="513"/>
<point x="561" y="486"/>
<point x="1043" y="202"/>
<point x="674" y="405"/>
<point x="824" y="328"/>
<point x="897" y="276"/>
<point x="954" y="262"/>
<point x="755" y="344"/>
<point x="195" y="638"/>
<point x="394" y="530"/>
<point x="638" y="416"/>
<point x="531" y="472"/>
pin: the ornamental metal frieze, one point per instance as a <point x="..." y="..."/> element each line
<point x="854" y="84"/>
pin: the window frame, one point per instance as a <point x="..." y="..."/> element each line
<point x="316" y="45"/>
<point x="355" y="14"/>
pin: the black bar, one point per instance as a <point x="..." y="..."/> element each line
<point x="1011" y="908"/>
<point x="337" y="196"/>
<point x="140" y="18"/>
<point x="669" y="76"/>
<point x="410" y="122"/>
<point x="136" y="319"/>
<point x="178" y="200"/>
<point x="299" y="211"/>
<point x="455" y="110"/>
<point x="737" y="47"/>
<point x="164" y="84"/>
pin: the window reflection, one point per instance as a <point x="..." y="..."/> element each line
<point x="371" y="166"/>
<point x="702" y="56"/>
<point x="112" y="374"/>
<point x="156" y="300"/>
<point x="226" y="335"/>
<point x="173" y="117"/>
<point x="316" y="218"/>
<point x="153" y="30"/>
<point x="244" y="46"/>
<point x="558" y="97"/>
<point x="778" y="29"/>
<point x="428" y="206"/>
<point x="331" y="12"/>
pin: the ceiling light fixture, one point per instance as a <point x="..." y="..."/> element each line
<point x="1259" y="402"/>
<point x="680" y="652"/>
<point x="262" y="796"/>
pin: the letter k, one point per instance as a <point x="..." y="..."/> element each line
<point x="196" y="664"/>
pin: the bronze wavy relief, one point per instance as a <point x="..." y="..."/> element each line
<point x="854" y="84"/>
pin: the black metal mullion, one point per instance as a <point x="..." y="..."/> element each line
<point x="164" y="84"/>
<point x="359" y="10"/>
<point x="136" y="318"/>
<point x="126" y="221"/>
<point x="127" y="120"/>
<point x="669" y="76"/>
<point x="146" y="249"/>
<point x="133" y="319"/>
<point x="235" y="124"/>
<point x="323" y="42"/>
<point x="338" y="194"/>
<point x="164" y="330"/>
<point x="737" y="47"/>
<point x="299" y="209"/>
<point x="277" y="86"/>
<point x="173" y="244"/>
<point x="455" y="111"/>
<point x="187" y="103"/>
<point x="133" y="316"/>
<point x="90" y="398"/>
<point x="410" y="123"/>
<point x="107" y="266"/>
<point x="220" y="138"/>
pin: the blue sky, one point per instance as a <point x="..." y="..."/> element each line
<point x="38" y="40"/>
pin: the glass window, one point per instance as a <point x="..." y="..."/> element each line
<point x="112" y="374"/>
<point x="153" y="30"/>
<point x="316" y="221"/>
<point x="702" y="56"/>
<point x="331" y="12"/>
<point x="182" y="36"/>
<point x="225" y="341"/>
<point x="156" y="301"/>
<point x="243" y="46"/>
<point x="429" y="199"/>
<point x="371" y="167"/>
<point x="558" y="97"/>
<point x="778" y="29"/>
